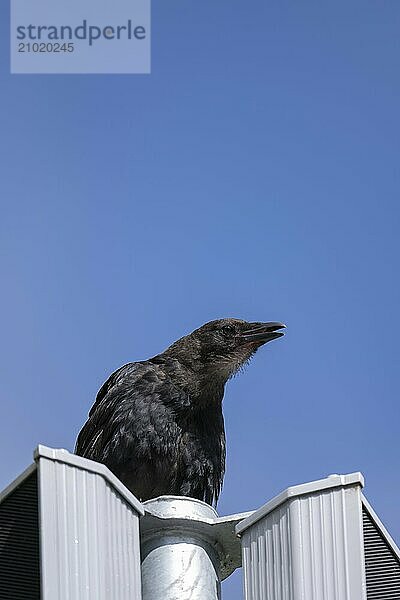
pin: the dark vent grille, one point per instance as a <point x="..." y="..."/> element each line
<point x="19" y="543"/>
<point x="381" y="564"/>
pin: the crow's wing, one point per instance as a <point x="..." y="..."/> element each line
<point x="132" y="416"/>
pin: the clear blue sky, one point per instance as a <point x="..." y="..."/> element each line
<point x="254" y="173"/>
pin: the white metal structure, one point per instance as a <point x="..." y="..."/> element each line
<point x="69" y="530"/>
<point x="311" y="543"/>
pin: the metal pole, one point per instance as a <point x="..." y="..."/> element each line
<point x="180" y="553"/>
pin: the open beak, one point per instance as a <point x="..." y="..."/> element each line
<point x="263" y="332"/>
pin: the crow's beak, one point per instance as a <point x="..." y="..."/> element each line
<point x="262" y="332"/>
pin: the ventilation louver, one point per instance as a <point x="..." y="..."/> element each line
<point x="19" y="543"/>
<point x="382" y="566"/>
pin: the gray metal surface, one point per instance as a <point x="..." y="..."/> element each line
<point x="17" y="481"/>
<point x="179" y="559"/>
<point x="382" y="558"/>
<point x="306" y="544"/>
<point x="89" y="531"/>
<point x="186" y="549"/>
<point x="19" y="540"/>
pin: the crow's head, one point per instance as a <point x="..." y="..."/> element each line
<point x="223" y="346"/>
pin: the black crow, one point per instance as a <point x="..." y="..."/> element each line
<point x="158" y="423"/>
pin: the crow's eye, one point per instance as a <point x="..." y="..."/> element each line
<point x="228" y="330"/>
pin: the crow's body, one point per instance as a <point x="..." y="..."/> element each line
<point x="158" y="424"/>
<point x="147" y="429"/>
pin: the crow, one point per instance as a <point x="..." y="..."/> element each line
<point x="157" y="424"/>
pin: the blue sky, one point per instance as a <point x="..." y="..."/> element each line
<point x="255" y="174"/>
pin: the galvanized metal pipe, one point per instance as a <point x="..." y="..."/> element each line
<point x="180" y="554"/>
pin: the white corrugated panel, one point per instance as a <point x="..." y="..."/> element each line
<point x="306" y="544"/>
<point x="90" y="546"/>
